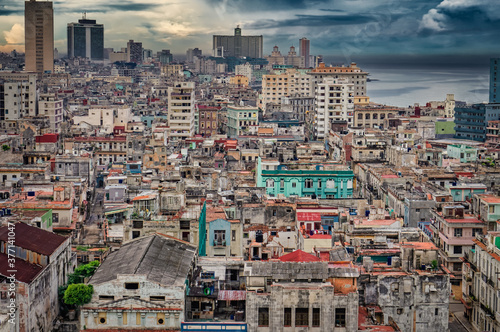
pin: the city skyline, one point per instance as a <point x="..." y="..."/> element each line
<point x="430" y="27"/>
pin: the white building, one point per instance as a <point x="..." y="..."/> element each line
<point x="244" y="70"/>
<point x="141" y="286"/>
<point x="181" y="111"/>
<point x="334" y="101"/>
<point x="51" y="106"/>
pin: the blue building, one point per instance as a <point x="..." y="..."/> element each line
<point x="319" y="183"/>
<point x="471" y="122"/>
<point x="493" y="80"/>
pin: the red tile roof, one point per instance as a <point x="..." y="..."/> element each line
<point x="299" y="256"/>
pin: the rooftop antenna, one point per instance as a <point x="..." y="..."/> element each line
<point x="84" y="15"/>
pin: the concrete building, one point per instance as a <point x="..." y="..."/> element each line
<point x="462" y="152"/>
<point x="208" y="120"/>
<point x="372" y="116"/>
<point x="51" y="106"/>
<point x="86" y="39"/>
<point x="304" y="48"/>
<point x="245" y="70"/>
<point x="300" y="295"/>
<point x="471" y="122"/>
<point x="191" y="53"/>
<point x="416" y="302"/>
<point x="141" y="286"/>
<point x="334" y="101"/>
<point x="294" y="60"/>
<point x="483" y="286"/>
<point x="242" y="120"/>
<point x="275" y="58"/>
<point x="494" y="96"/>
<point x="181" y="111"/>
<point x="453" y="235"/>
<point x="306" y="183"/>
<point x="276" y="86"/>
<point x="18" y="94"/>
<point x="353" y="74"/>
<point x="39" y="36"/>
<point x="238" y="45"/>
<point x="134" y="52"/>
<point x="43" y="262"/>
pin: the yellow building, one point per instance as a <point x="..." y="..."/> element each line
<point x="239" y="80"/>
<point x="172" y="70"/>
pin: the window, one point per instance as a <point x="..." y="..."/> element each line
<point x="478" y="231"/>
<point x="157" y="298"/>
<point x="131" y="285"/>
<point x="436" y="311"/>
<point x="219" y="238"/>
<point x="270" y="183"/>
<point x="400" y="311"/>
<point x="301" y="317"/>
<point x="294" y="184"/>
<point x="287" y="319"/>
<point x="457" y="249"/>
<point x="417" y="210"/>
<point x="492" y="209"/>
<point x="263" y="316"/>
<point x="458" y="232"/>
<point x="282" y="184"/>
<point x="233" y="235"/>
<point x="340" y="317"/>
<point x="319" y="183"/>
<point x="106" y="297"/>
<point x="275" y="212"/>
<point x="309" y="183"/>
<point x="316" y="317"/>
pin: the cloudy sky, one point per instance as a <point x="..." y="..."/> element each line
<point x="347" y="28"/>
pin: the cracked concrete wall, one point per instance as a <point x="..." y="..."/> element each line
<point x="417" y="303"/>
<point x="301" y="295"/>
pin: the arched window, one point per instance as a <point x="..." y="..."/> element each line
<point x="308" y="183"/>
<point x="367" y="116"/>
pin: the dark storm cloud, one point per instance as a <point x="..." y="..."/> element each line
<point x="397" y="92"/>
<point x="9" y="7"/>
<point x="127" y="7"/>
<point x="332" y="10"/>
<point x="263" y="5"/>
<point x="312" y="21"/>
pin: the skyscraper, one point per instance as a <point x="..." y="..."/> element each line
<point x="39" y="36"/>
<point x="304" y="50"/>
<point x="86" y="39"/>
<point x="134" y="52"/>
<point x="238" y="45"/>
<point x="494" y="97"/>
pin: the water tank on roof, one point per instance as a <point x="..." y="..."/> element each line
<point x="31" y="193"/>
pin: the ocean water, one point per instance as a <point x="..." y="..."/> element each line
<point x="407" y="86"/>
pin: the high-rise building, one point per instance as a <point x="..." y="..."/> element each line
<point x="134" y="52"/>
<point x="165" y="57"/>
<point x="304" y="50"/>
<point x="334" y="101"/>
<point x="494" y="97"/>
<point x="191" y="53"/>
<point x="471" y="122"/>
<point x="86" y="39"/>
<point x="238" y="45"/>
<point x="39" y="36"/>
<point x="181" y="111"/>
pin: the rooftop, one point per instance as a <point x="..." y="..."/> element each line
<point x="33" y="238"/>
<point x="161" y="258"/>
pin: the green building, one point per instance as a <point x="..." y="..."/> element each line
<point x="445" y="129"/>
<point x="317" y="183"/>
<point x="465" y="153"/>
<point x="243" y="120"/>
